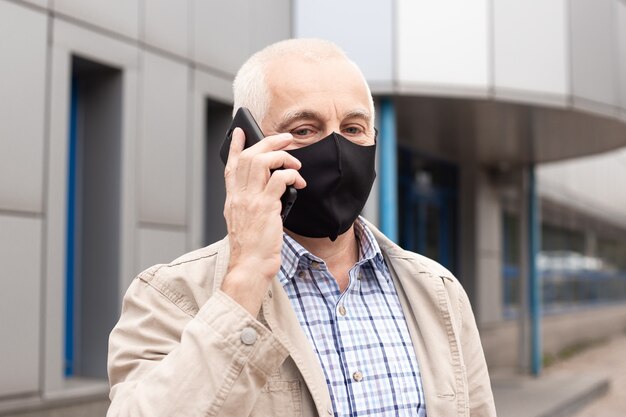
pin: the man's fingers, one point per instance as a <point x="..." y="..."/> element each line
<point x="272" y="143"/>
<point x="280" y="179"/>
<point x="236" y="147"/>
<point x="269" y="144"/>
<point x="262" y="164"/>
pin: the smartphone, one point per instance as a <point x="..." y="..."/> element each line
<point x="244" y="120"/>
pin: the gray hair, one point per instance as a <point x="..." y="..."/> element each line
<point x="250" y="87"/>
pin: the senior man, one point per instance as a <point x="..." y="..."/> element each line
<point x="321" y="315"/>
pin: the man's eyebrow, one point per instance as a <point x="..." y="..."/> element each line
<point x="361" y="114"/>
<point x="293" y="116"/>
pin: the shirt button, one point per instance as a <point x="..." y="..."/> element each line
<point x="248" y="336"/>
<point x="357" y="376"/>
<point x="342" y="310"/>
<point x="315" y="265"/>
<point x="301" y="274"/>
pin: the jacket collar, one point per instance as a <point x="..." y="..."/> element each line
<point x="390" y="249"/>
<point x="409" y="268"/>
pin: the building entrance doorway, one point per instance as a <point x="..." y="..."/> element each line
<point x="428" y="198"/>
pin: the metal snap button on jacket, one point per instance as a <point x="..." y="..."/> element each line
<point x="248" y="336"/>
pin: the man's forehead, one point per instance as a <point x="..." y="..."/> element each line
<point x="323" y="91"/>
<point x="293" y="73"/>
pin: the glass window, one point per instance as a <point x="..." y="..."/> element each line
<point x="577" y="266"/>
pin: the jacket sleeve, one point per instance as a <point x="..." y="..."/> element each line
<point x="481" y="403"/>
<point x="165" y="362"/>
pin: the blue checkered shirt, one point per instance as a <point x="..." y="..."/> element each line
<point x="360" y="337"/>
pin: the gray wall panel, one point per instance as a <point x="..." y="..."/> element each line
<point x="221" y="37"/>
<point x="270" y="21"/>
<point x="530" y="46"/>
<point x="121" y="16"/>
<point x="40" y="3"/>
<point x="166" y="25"/>
<point x="163" y="143"/>
<point x="443" y="47"/>
<point x="362" y="28"/>
<point x="226" y="33"/>
<point x="23" y="92"/>
<point x="20" y="257"/>
<point x="593" y="51"/>
<point x="621" y="51"/>
<point x="159" y="246"/>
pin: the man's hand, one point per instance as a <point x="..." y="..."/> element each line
<point x="252" y="212"/>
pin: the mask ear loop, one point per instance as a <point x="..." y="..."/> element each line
<point x="375" y="135"/>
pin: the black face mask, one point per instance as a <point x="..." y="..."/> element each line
<point x="339" y="176"/>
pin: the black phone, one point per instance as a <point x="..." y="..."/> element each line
<point x="244" y="120"/>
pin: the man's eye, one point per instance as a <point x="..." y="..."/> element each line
<point x="353" y="130"/>
<point x="302" y="132"/>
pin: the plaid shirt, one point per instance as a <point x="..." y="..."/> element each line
<point x="360" y="336"/>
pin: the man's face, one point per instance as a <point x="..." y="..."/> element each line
<point x="311" y="100"/>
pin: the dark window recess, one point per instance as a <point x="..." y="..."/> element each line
<point x="218" y="118"/>
<point x="93" y="217"/>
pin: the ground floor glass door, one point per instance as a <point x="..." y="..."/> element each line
<point x="428" y="207"/>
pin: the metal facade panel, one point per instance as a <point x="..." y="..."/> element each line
<point x="443" y="46"/>
<point x="20" y="304"/>
<point x="270" y="22"/>
<point x="364" y="29"/>
<point x="163" y="144"/>
<point x="167" y="26"/>
<point x="593" y="52"/>
<point x="531" y="46"/>
<point x="159" y="246"/>
<point x="120" y="16"/>
<point x="221" y="33"/>
<point x="621" y="53"/>
<point x="227" y="33"/>
<point x="40" y="3"/>
<point x="22" y="108"/>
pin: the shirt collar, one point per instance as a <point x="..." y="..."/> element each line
<point x="292" y="253"/>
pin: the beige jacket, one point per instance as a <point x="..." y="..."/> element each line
<point x="180" y="348"/>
